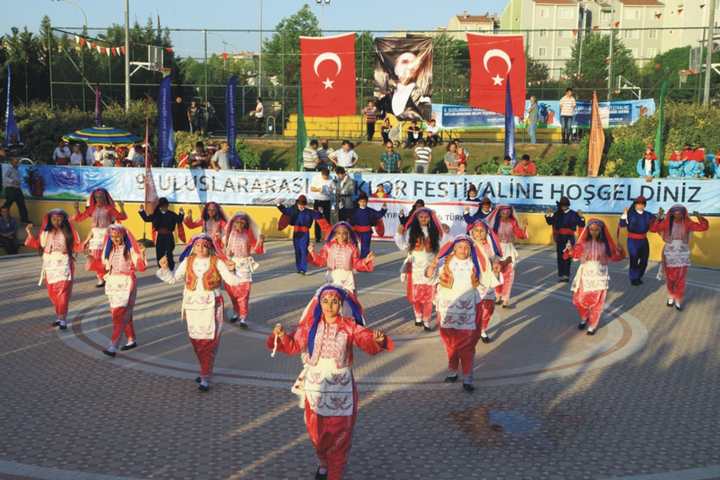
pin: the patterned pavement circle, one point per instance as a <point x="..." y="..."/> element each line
<point x="639" y="401"/>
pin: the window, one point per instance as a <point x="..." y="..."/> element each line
<point x="542" y="34"/>
<point x="542" y="52"/>
<point x="634" y="52"/>
<point x="652" y="34"/>
<point x="632" y="14"/>
<point x="561" y="52"/>
<point x="566" y="12"/>
<point x="631" y="34"/>
<point x="543" y="12"/>
<point x="651" y="52"/>
<point x="564" y="34"/>
<point x="606" y="16"/>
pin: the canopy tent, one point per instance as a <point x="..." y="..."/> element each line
<point x="102" y="136"/>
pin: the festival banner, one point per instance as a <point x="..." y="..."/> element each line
<point x="166" y="136"/>
<point x="449" y="214"/>
<point x="230" y="120"/>
<point x="237" y="187"/>
<point x="403" y="76"/>
<point x="327" y="74"/>
<point x="509" y="126"/>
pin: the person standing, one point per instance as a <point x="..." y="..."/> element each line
<point x="8" y="232"/>
<point x="311" y="160"/>
<point x="532" y="120"/>
<point x="594" y="250"/>
<point x="341" y="257"/>
<point x="345" y="157"/>
<point x="61" y="154"/>
<point x="195" y="117"/>
<point x="76" y="157"/>
<point x="565" y="223"/>
<point x="364" y="219"/>
<point x="221" y="159"/>
<point x="504" y="223"/>
<point x="321" y="191"/>
<point x="423" y="157"/>
<point x="13" y="192"/>
<point x="488" y="245"/>
<point x="332" y="324"/>
<point x="385" y="130"/>
<point x="203" y="268"/>
<point x="164" y="222"/>
<point x="370" y="112"/>
<point x="259" y="114"/>
<point x="242" y="240"/>
<point x="100" y="208"/>
<point x="452" y="163"/>
<point x="567" y="112"/>
<point x="675" y="229"/>
<point x="58" y="243"/>
<point x="390" y="161"/>
<point x="301" y="218"/>
<point x="637" y="221"/>
<point x="122" y="257"/>
<point x="323" y="154"/>
<point x="344" y="193"/>
<point x="199" y="157"/>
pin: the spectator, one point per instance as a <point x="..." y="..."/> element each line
<point x="195" y="116"/>
<point x="390" y="160"/>
<point x="567" y="112"/>
<point x="13" y="192"/>
<point x="345" y="157"/>
<point x="506" y="168"/>
<point x="324" y="153"/>
<point x="525" y="168"/>
<point x="208" y="116"/>
<point x="380" y="192"/>
<point x="8" y="231"/>
<point x="385" y="130"/>
<point x="221" y="160"/>
<point x="451" y="158"/>
<point x="423" y="157"/>
<point x="61" y="154"/>
<point x="311" y="160"/>
<point x="676" y="164"/>
<point x="472" y="194"/>
<point x="414" y="134"/>
<point x="108" y="157"/>
<point x="696" y="167"/>
<point x="370" y="112"/>
<point x="259" y="114"/>
<point x="138" y="156"/>
<point x="89" y="154"/>
<point x="199" y="157"/>
<point x="532" y="120"/>
<point x="76" y="157"/>
<point x="433" y="133"/>
<point x="321" y="190"/>
<point x="344" y="190"/>
<point x="646" y="165"/>
<point x="179" y="114"/>
<point x="463" y="156"/>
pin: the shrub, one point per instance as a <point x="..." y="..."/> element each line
<point x="623" y="155"/>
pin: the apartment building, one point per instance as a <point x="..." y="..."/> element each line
<point x="464" y="22"/>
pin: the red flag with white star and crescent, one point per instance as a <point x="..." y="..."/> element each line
<point x="327" y="73"/>
<point x="494" y="60"/>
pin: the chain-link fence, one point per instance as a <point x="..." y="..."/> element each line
<point x="556" y="59"/>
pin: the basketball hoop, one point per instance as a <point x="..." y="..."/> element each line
<point x="154" y="63"/>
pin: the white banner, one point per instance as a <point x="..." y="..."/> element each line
<point x="449" y="213"/>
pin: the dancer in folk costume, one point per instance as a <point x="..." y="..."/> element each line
<point x="122" y="257"/>
<point x="212" y="220"/>
<point x="459" y="305"/>
<point x="242" y="240"/>
<point x="483" y="211"/>
<point x="488" y="246"/>
<point x="637" y="220"/>
<point x="301" y="218"/>
<point x="675" y="229"/>
<point x="58" y="242"/>
<point x="364" y="219"/>
<point x="331" y="325"/>
<point x="565" y="223"/>
<point x="203" y="267"/>
<point x="504" y="223"/>
<point x="100" y="207"/>
<point x="594" y="249"/>
<point x="340" y="256"/>
<point x="420" y="237"/>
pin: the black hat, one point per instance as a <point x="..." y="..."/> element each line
<point x="564" y="202"/>
<point x="362" y="196"/>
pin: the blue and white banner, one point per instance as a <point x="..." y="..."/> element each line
<point x="616" y="113"/>
<point x="237" y="187"/>
<point x="166" y="136"/>
<point x="230" y="120"/>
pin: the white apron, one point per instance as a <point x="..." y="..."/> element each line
<point x="198" y="309"/>
<point x="346" y="278"/>
<point x="592" y="276"/>
<point x="328" y="389"/>
<point x="96" y="239"/>
<point x="457" y="305"/>
<point x="55" y="268"/>
<point x="118" y="288"/>
<point x="244" y="268"/>
<point x="419" y="261"/>
<point x="676" y="254"/>
<point x="509" y="251"/>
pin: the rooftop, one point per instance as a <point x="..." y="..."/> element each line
<point x="642" y="3"/>
<point x="556" y="2"/>
<point x="467" y="18"/>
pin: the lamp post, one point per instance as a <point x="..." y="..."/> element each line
<point x="82" y="53"/>
<point x="260" y="40"/>
<point x="708" y="54"/>
<point x="322" y="4"/>
<point x="127" y="55"/>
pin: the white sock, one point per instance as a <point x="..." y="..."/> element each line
<point x="112" y="349"/>
<point x="426" y="323"/>
<point x="62" y="322"/>
<point x="242" y="319"/>
<point x="204" y="381"/>
<point x="483" y="334"/>
<point x="452" y="373"/>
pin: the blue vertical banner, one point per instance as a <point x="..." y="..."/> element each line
<point x="230" y="92"/>
<point x="98" y="108"/>
<point x="166" y="135"/>
<point x="12" y="134"/>
<point x="509" y="123"/>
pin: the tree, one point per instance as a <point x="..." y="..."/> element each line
<point x="595" y="60"/>
<point x="536" y="72"/>
<point x="451" y="69"/>
<point x="281" y="52"/>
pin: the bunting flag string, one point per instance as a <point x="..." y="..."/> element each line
<point x="105" y="49"/>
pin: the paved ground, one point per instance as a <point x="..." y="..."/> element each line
<point x="638" y="400"/>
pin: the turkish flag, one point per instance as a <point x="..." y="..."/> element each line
<point x="327" y="75"/>
<point x="494" y="60"/>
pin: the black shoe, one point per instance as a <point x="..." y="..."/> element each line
<point x="320" y="476"/>
<point x="109" y="353"/>
<point x="468" y="387"/>
<point x="498" y="301"/>
<point x="678" y="307"/>
<point x="566" y="279"/>
<point x="302" y="273"/>
<point x="634" y="283"/>
<point x="198" y="379"/>
<point x="427" y="329"/>
<point x="244" y="325"/>
<point x="507" y="305"/>
<point x="670" y="302"/>
<point x="62" y="327"/>
<point x="582" y="325"/>
<point x="561" y="279"/>
<point x="56" y="323"/>
<point x="591" y="331"/>
<point x="129" y="346"/>
<point x="418" y="323"/>
<point x="204" y="388"/>
<point x="234" y="319"/>
<point x="451" y="379"/>
<point x="99" y="285"/>
<point x="485" y="339"/>
<point x="639" y="281"/>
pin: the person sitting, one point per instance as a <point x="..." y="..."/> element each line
<point x="414" y="133"/>
<point x="463" y="156"/>
<point x="648" y="166"/>
<point x="676" y="165"/>
<point x="433" y="133"/>
<point x="8" y="231"/>
<point x="199" y="157"/>
<point x="525" y="168"/>
<point x="451" y="158"/>
<point x="423" y="157"/>
<point x="381" y="191"/>
<point x="390" y="160"/>
<point x="506" y="167"/>
<point x="695" y="166"/>
<point x="61" y="154"/>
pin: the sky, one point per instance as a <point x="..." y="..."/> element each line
<point x="358" y="15"/>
